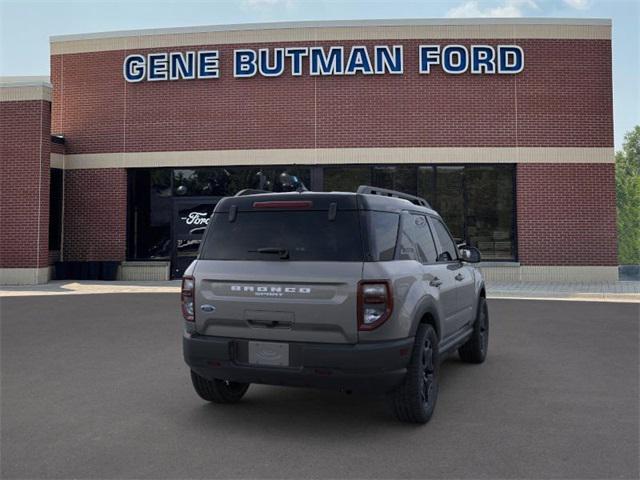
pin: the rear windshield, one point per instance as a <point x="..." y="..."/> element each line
<point x="284" y="236"/>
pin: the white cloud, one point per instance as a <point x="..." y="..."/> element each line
<point x="508" y="8"/>
<point x="578" y="4"/>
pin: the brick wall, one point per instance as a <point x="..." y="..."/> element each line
<point x="566" y="214"/>
<point x="95" y="214"/>
<point x="562" y="98"/>
<point x="57" y="148"/>
<point x="24" y="183"/>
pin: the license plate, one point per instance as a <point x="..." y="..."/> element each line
<point x="269" y="353"/>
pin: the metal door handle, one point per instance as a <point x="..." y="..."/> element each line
<point x="436" y="282"/>
<point x="459" y="277"/>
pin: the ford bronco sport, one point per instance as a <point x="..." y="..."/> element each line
<point x="361" y="291"/>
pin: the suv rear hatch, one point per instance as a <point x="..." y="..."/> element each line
<point x="281" y="267"/>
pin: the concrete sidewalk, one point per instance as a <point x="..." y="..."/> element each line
<point x="579" y="291"/>
<point x="84" y="287"/>
<point x="594" y="292"/>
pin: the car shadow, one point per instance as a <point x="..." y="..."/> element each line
<point x="299" y="411"/>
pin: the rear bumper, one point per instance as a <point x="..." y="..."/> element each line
<point x="365" y="367"/>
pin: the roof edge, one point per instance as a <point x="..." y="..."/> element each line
<point x="10" y="81"/>
<point x="333" y="23"/>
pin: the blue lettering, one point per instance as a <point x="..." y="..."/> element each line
<point x="277" y="68"/>
<point x="510" y="59"/>
<point x="133" y="68"/>
<point x="179" y="67"/>
<point x="321" y="64"/>
<point x="244" y="63"/>
<point x="208" y="64"/>
<point x="429" y="55"/>
<point x="158" y="67"/>
<point x="359" y="61"/>
<point x="483" y="59"/>
<point x="388" y="62"/>
<point x="455" y="59"/>
<point x="296" y="55"/>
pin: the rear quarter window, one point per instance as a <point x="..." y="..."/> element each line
<point x="383" y="234"/>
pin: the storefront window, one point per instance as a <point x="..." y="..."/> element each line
<point x="476" y="201"/>
<point x="345" y="178"/>
<point x="490" y="210"/>
<point x="449" y="200"/>
<point x="401" y="178"/>
<point x="427" y="184"/>
<point x="153" y="193"/>
<point x="224" y="181"/>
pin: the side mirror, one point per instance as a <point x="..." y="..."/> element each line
<point x="470" y="254"/>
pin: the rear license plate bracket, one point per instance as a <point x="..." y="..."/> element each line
<point x="269" y="353"/>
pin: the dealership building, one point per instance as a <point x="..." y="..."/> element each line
<point x="504" y="125"/>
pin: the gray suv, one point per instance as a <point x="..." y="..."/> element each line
<point x="361" y="291"/>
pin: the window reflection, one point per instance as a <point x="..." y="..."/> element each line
<point x="450" y="199"/>
<point x="489" y="212"/>
<point x="346" y="178"/>
<point x="476" y="201"/>
<point x="224" y="181"/>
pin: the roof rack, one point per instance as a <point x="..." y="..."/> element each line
<point x="250" y="191"/>
<point x="393" y="193"/>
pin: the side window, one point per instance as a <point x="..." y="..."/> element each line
<point x="384" y="232"/>
<point x="416" y="242"/>
<point x="449" y="252"/>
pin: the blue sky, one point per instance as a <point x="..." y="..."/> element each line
<point x="25" y="26"/>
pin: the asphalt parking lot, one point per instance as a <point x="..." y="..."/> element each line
<point x="93" y="386"/>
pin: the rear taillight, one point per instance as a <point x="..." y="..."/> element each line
<point x="375" y="303"/>
<point x="186" y="298"/>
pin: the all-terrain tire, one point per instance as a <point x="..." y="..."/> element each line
<point x="475" y="349"/>
<point x="218" y="391"/>
<point x="415" y="399"/>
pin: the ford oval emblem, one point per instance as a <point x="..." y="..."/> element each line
<point x="208" y="308"/>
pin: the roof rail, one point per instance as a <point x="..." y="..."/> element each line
<point x="250" y="191"/>
<point x="393" y="193"/>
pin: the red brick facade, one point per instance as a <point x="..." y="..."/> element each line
<point x="57" y="148"/>
<point x="24" y="183"/>
<point x="566" y="214"/>
<point x="562" y="98"/>
<point x="95" y="214"/>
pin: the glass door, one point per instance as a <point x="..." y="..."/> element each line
<point x="190" y="219"/>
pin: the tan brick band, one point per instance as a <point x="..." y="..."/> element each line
<point x="24" y="276"/>
<point x="336" y="156"/>
<point x="550" y="273"/>
<point x="332" y="31"/>
<point x="25" y="93"/>
<point x="57" y="160"/>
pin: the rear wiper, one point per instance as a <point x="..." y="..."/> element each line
<point x="283" y="252"/>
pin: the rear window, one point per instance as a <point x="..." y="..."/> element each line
<point x="284" y="236"/>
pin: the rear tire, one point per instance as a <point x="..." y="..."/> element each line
<point x="415" y="399"/>
<point x="218" y="391"/>
<point x="475" y="349"/>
